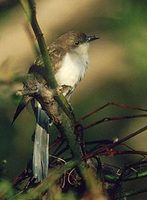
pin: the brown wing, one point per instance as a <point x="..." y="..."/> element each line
<point x="56" y="54"/>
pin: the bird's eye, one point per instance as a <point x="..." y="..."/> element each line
<point x="76" y="43"/>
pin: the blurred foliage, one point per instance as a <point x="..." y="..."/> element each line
<point x="6" y="190"/>
<point x="6" y="9"/>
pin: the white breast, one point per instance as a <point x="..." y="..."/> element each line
<point x="73" y="66"/>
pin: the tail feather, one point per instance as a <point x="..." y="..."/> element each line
<point x="41" y="143"/>
<point x="22" y="104"/>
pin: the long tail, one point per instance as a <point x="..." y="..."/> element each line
<point x="41" y="144"/>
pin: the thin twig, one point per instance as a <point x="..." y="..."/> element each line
<point x="56" y="141"/>
<point x="113" y="104"/>
<point x="116" y="118"/>
<point x="32" y="39"/>
<point x="107" y="148"/>
<point x="132" y="193"/>
<point x="99" y="142"/>
<point x="138" y="175"/>
<point x="130" y="152"/>
<point x="129" y="137"/>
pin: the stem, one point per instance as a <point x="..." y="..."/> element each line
<point x="132" y="193"/>
<point x="66" y="126"/>
<point x="49" y="75"/>
<point x="138" y="175"/>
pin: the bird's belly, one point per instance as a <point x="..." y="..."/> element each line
<point x="71" y="72"/>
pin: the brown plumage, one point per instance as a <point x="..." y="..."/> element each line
<point x="57" y="50"/>
<point x="59" y="47"/>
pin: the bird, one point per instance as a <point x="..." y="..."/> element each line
<point x="69" y="58"/>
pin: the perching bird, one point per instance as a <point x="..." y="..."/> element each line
<point x="69" y="57"/>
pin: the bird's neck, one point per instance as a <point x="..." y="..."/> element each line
<point x="81" y="51"/>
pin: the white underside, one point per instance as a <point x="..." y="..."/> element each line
<point x="73" y="66"/>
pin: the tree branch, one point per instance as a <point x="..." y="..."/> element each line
<point x="49" y="75"/>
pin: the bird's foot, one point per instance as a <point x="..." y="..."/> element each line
<point x="64" y="89"/>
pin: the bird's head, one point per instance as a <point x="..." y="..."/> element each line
<point x="73" y="40"/>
